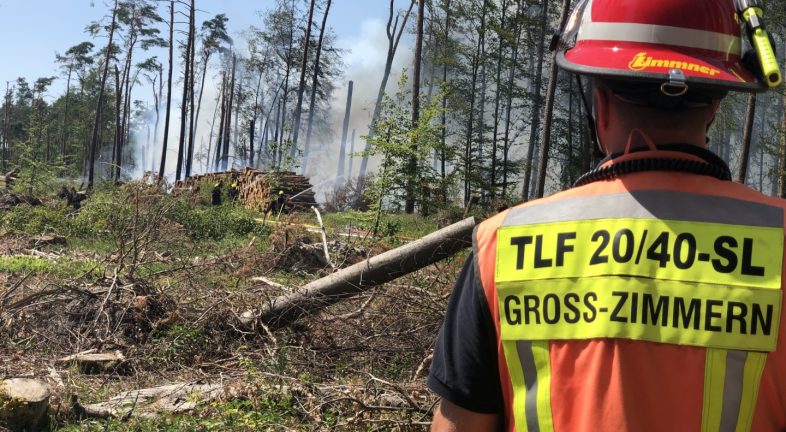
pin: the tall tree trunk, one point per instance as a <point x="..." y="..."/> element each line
<point x="412" y="164"/>
<point x="535" y="125"/>
<point x="6" y="141"/>
<point x="100" y="102"/>
<point x="497" y="100"/>
<point x="191" y="79"/>
<point x="747" y="136"/>
<point x="118" y="126"/>
<point x="181" y="151"/>
<point x="545" y="136"/>
<point x="444" y="119"/>
<point x="221" y="123"/>
<point x="509" y="99"/>
<point x="314" y="85"/>
<point x="168" y="90"/>
<point x="344" y="132"/>
<point x="483" y="78"/>
<point x="64" y="132"/>
<point x="230" y="107"/>
<point x="351" y="155"/>
<point x="394" y="36"/>
<point x="471" y="121"/>
<point x="302" y="84"/>
<point x="157" y="99"/>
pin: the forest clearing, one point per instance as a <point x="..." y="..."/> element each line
<point x="140" y="289"/>
<point x="250" y="216"/>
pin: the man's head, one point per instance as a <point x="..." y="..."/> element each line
<point x="622" y="107"/>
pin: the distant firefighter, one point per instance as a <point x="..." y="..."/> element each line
<point x="278" y="205"/>
<point x="216" y="194"/>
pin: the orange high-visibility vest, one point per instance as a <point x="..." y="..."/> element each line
<point x="650" y="302"/>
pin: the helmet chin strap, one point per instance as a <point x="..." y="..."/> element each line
<point x="593" y="132"/>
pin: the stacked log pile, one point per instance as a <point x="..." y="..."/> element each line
<point x="7" y="181"/>
<point x="256" y="188"/>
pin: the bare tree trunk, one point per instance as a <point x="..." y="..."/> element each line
<point x="118" y="141"/>
<point x="192" y="76"/>
<point x="351" y="155"/>
<point x="497" y="97"/>
<point x="168" y="90"/>
<point x="545" y="136"/>
<point x="533" y="133"/>
<point x="393" y="40"/>
<point x="302" y="84"/>
<point x="483" y="79"/>
<point x="6" y="141"/>
<point x="314" y="85"/>
<point x="344" y="132"/>
<point x="100" y="102"/>
<point x="509" y="100"/>
<point x="471" y="121"/>
<point x="64" y="132"/>
<point x="412" y="164"/>
<point x="750" y="117"/>
<point x="230" y="106"/>
<point x="221" y="123"/>
<point x="444" y="120"/>
<point x="181" y="151"/>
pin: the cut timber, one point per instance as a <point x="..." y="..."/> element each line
<point x="256" y="188"/>
<point x="175" y="398"/>
<point x="372" y="272"/>
<point x="95" y="363"/>
<point x="24" y="404"/>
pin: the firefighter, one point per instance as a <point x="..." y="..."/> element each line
<point x="649" y="296"/>
<point x="215" y="194"/>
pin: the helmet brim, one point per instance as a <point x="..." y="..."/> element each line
<point x="631" y="62"/>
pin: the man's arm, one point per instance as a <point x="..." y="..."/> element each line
<point x="450" y="417"/>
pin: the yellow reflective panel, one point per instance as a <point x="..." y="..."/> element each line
<point x="704" y="315"/>
<point x="724" y="254"/>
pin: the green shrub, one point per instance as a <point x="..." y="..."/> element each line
<point x="215" y="222"/>
<point x="35" y="220"/>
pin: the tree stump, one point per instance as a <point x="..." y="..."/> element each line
<point x="24" y="404"/>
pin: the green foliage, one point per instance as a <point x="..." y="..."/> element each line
<point x="35" y="220"/>
<point x="215" y="222"/>
<point x="398" y="143"/>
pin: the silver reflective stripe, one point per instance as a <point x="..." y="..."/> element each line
<point x="530" y="372"/>
<point x="649" y="204"/>
<point x="658" y="34"/>
<point x="732" y="389"/>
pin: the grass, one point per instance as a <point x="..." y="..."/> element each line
<point x="64" y="268"/>
<point x="403" y="225"/>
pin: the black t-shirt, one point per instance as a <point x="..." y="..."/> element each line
<point x="464" y="369"/>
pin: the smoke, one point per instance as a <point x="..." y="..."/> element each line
<point x="365" y="64"/>
<point x="365" y="55"/>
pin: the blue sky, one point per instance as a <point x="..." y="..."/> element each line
<point x="32" y="31"/>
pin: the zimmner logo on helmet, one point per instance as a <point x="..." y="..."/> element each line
<point x="642" y="61"/>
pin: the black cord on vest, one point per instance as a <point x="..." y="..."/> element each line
<point x="713" y="165"/>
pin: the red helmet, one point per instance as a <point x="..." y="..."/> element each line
<point x="690" y="41"/>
